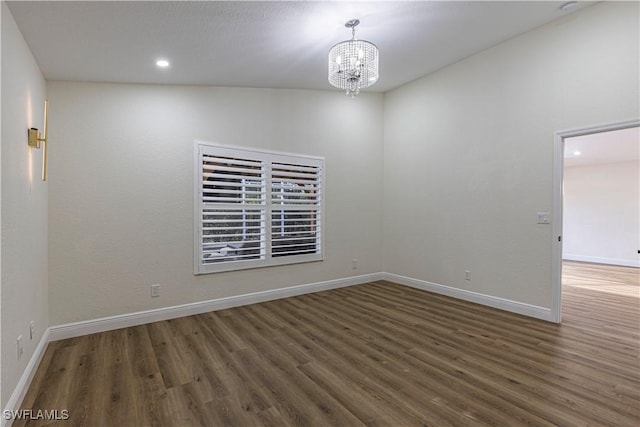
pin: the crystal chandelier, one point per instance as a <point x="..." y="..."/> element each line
<point x="353" y="64"/>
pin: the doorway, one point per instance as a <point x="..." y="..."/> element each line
<point x="571" y="139"/>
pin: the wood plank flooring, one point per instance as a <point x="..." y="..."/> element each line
<point x="378" y="354"/>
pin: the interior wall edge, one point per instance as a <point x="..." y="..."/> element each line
<point x="602" y="260"/>
<point x="16" y="398"/>
<point x="529" y="310"/>
<point x="75" y="329"/>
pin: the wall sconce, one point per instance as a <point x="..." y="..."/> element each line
<point x="35" y="138"/>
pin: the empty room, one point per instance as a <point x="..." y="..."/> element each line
<point x="324" y="213"/>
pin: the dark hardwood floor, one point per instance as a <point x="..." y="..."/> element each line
<point x="376" y="354"/>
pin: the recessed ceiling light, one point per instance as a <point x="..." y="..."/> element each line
<point x="568" y="5"/>
<point x="577" y="153"/>
<point x="162" y="63"/>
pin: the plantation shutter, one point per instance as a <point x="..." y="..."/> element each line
<point x="255" y="209"/>
<point x="295" y="209"/>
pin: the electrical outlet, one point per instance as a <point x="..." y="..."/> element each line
<point x="32" y="329"/>
<point x="354" y="264"/>
<point x="155" y="291"/>
<point x="467" y="275"/>
<point x="20" y="348"/>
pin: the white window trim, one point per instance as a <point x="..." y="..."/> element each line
<point x="268" y="156"/>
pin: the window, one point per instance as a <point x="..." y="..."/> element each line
<point x="256" y="208"/>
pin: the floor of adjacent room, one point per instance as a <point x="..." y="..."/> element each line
<point x="372" y="354"/>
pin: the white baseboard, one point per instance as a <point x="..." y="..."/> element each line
<point x="15" y="400"/>
<point x="602" y="260"/>
<point x="76" y="329"/>
<point x="87" y="327"/>
<point x="103" y="324"/>
<point x="488" y="300"/>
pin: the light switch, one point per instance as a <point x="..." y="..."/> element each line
<point x="543" y="218"/>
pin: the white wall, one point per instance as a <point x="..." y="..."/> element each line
<point x="24" y="206"/>
<point x="602" y="213"/>
<point x="467" y="164"/>
<point x="469" y="151"/>
<point x="121" y="188"/>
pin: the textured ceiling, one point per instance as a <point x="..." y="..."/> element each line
<point x="261" y="44"/>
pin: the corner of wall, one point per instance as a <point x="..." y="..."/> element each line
<point x="23" y="216"/>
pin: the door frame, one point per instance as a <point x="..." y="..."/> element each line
<point x="558" y="179"/>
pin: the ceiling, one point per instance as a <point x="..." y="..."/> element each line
<point x="605" y="147"/>
<point x="275" y="44"/>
